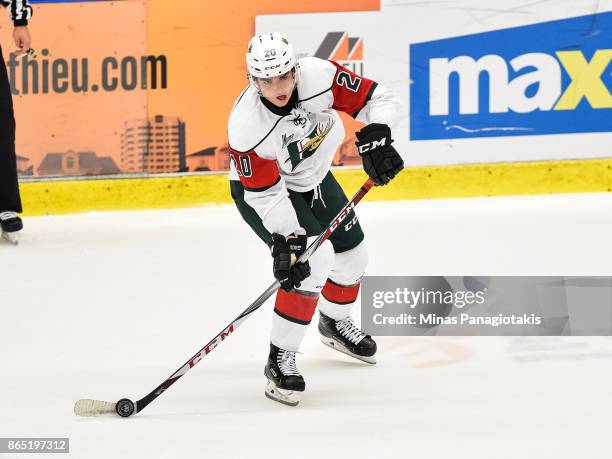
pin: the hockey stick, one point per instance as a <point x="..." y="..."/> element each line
<point x="125" y="407"/>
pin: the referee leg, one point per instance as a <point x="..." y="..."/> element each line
<point x="9" y="187"/>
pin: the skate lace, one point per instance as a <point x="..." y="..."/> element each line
<point x="7" y="215"/>
<point x="348" y="329"/>
<point x="286" y="363"/>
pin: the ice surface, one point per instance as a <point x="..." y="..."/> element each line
<point x="107" y="305"/>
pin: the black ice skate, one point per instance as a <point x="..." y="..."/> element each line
<point x="284" y="379"/>
<point x="344" y="336"/>
<point x="10" y="224"/>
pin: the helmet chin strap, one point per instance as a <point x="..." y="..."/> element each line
<point x="251" y="80"/>
<point x="295" y="71"/>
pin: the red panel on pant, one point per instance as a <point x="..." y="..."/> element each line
<point x="341" y="294"/>
<point x="295" y="305"/>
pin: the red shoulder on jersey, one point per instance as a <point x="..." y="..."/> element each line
<point x="351" y="91"/>
<point x="256" y="173"/>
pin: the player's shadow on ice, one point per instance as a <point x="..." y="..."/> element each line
<point x="332" y="362"/>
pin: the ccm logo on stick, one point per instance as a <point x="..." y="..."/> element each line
<point x="210" y="346"/>
<point x="345" y="213"/>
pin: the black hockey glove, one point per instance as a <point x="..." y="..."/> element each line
<point x="289" y="275"/>
<point x="380" y="160"/>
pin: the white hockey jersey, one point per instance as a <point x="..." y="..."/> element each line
<point x="273" y="150"/>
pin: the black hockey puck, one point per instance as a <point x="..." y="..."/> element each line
<point x="125" y="407"/>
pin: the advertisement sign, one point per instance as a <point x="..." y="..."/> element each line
<point x="517" y="83"/>
<point x="547" y="78"/>
<point x="134" y="86"/>
<point x="91" y="75"/>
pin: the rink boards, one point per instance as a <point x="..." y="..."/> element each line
<point x="66" y="196"/>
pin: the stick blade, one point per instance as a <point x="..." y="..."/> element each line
<point x="87" y="407"/>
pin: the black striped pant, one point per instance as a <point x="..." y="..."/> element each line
<point x="9" y="187"/>
<point x="312" y="214"/>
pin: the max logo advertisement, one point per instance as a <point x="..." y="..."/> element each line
<point x="548" y="78"/>
<point x="345" y="50"/>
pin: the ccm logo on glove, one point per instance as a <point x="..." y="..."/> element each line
<point x="380" y="160"/>
<point x="372" y="145"/>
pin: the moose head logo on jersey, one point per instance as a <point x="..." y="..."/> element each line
<point x="307" y="146"/>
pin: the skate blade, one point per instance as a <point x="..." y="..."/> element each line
<point x="337" y="345"/>
<point x="286" y="397"/>
<point x="13" y="238"/>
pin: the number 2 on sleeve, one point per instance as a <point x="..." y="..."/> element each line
<point x="349" y="81"/>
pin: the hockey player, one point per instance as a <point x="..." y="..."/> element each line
<point x="283" y="131"/>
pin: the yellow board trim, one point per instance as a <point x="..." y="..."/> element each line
<point x="499" y="179"/>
